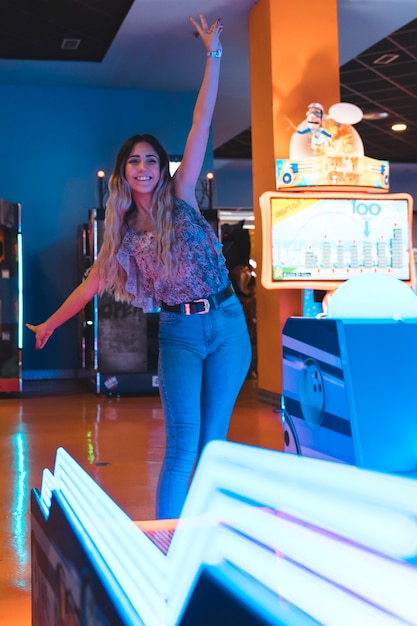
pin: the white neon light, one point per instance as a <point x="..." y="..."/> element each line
<point x="19" y="291"/>
<point x="387" y="583"/>
<point x="48" y="484"/>
<point x="119" y="548"/>
<point x="371" y="508"/>
<point x="316" y="497"/>
<point x="343" y="545"/>
<point x="254" y="533"/>
<point x="319" y="598"/>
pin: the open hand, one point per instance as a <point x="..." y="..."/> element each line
<point x="42" y="334"/>
<point x="209" y="35"/>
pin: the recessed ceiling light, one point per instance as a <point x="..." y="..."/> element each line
<point x="398" y="128"/>
<point x="386" y="59"/>
<point x="70" y="44"/>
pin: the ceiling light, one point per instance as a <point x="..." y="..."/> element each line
<point x="398" y="128"/>
<point x="375" y="115"/>
<point x="70" y="44"/>
<point x="385" y="59"/>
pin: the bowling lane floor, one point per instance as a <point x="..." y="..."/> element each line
<point x="118" y="441"/>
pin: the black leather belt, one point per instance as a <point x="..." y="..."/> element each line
<point x="200" y="306"/>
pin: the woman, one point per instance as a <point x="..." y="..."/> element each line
<point x="159" y="253"/>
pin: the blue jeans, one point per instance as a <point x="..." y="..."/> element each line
<point x="203" y="361"/>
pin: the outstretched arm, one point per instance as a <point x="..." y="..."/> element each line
<point x="75" y="302"/>
<point x="186" y="177"/>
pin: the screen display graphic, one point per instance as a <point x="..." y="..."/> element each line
<point x="329" y="239"/>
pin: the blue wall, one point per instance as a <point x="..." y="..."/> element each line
<point x="53" y="141"/>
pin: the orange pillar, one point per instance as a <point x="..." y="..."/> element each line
<point x="294" y="60"/>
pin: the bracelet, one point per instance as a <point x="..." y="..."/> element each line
<point x="215" y="53"/>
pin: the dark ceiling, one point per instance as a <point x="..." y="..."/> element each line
<point x="383" y="79"/>
<point x="376" y="83"/>
<point x="59" y="30"/>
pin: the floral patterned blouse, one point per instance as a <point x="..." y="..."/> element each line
<point x="201" y="265"/>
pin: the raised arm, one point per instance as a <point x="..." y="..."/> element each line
<point x="75" y="302"/>
<point x="186" y="177"/>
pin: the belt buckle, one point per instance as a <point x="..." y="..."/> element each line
<point x="187" y="307"/>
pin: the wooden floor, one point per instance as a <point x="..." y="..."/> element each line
<point x="118" y="441"/>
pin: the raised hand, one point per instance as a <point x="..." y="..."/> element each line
<point x="209" y="35"/>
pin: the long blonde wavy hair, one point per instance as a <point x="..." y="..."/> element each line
<point x="120" y="207"/>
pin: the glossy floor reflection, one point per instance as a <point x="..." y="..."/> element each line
<point x="118" y="441"/>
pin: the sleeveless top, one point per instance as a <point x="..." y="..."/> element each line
<point x="201" y="266"/>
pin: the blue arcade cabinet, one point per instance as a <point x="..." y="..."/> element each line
<point x="349" y="380"/>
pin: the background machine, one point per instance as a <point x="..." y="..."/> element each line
<point x="119" y="342"/>
<point x="10" y="297"/>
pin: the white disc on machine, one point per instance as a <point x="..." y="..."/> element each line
<point x="345" y="113"/>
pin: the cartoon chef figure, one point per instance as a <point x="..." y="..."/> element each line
<point x="314" y="125"/>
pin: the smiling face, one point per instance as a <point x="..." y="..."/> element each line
<point x="142" y="170"/>
<point x="314" y="116"/>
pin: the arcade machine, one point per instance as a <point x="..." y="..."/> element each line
<point x="119" y="342"/>
<point x="11" y="297"/>
<point x="348" y="372"/>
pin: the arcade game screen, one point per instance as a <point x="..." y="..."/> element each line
<point x="318" y="240"/>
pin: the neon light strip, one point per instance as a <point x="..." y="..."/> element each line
<point x="19" y="292"/>
<point x="19" y="509"/>
<point x="317" y="597"/>
<point x="349" y="501"/>
<point x="223" y="521"/>
<point x="126" y="559"/>
<point x="385" y="582"/>
<point x="344" y="564"/>
<point x="45" y="496"/>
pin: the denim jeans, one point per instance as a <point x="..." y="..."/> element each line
<point x="203" y="361"/>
